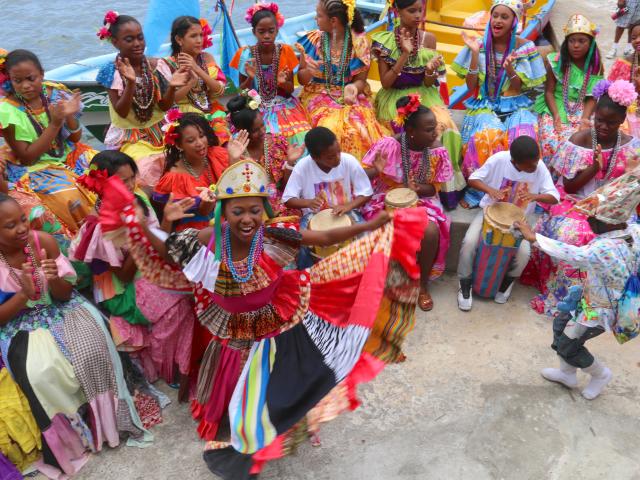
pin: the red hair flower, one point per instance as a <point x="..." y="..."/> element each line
<point x="172" y="119"/>
<point x="272" y="7"/>
<point x="93" y="180"/>
<point x="110" y="18"/>
<point x="173" y="115"/>
<point x="408" y="109"/>
<point x="206" y="33"/>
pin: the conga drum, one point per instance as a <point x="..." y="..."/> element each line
<point x="497" y="248"/>
<point x="326" y="220"/>
<point x="400" y="198"/>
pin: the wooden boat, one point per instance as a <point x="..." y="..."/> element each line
<point x="444" y="18"/>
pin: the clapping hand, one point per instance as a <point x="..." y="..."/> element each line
<point x="125" y="69"/>
<point x="379" y="162"/>
<point x="474" y="43"/>
<point x="180" y="78"/>
<point x="284" y="76"/>
<point x="406" y="41"/>
<point x="597" y="157"/>
<point x="206" y="195"/>
<point x="187" y="62"/>
<point x="237" y="146"/>
<point x="49" y="266"/>
<point x="174" y="211"/>
<point x="26" y="278"/>
<point x="350" y="94"/>
<point x="294" y="152"/>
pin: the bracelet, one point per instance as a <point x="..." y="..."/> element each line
<point x="515" y="75"/>
<point x="473" y="72"/>
<point x="431" y="75"/>
<point x="75" y="130"/>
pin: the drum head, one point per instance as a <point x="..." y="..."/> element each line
<point x="326" y="220"/>
<point x="502" y="215"/>
<point x="401" y="198"/>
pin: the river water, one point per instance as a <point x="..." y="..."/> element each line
<point x="64" y="31"/>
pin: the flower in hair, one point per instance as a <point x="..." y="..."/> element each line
<point x="93" y="180"/>
<point x="206" y="33"/>
<point x="172" y="119"/>
<point x="253" y="99"/>
<point x="623" y="93"/>
<point x="271" y="7"/>
<point x="351" y="9"/>
<point x="110" y="18"/>
<point x="411" y="107"/>
<point x="601" y="88"/>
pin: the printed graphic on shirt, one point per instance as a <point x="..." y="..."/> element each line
<point x="515" y="190"/>
<point x="333" y="192"/>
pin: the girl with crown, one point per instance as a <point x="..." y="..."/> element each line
<point x="590" y="159"/>
<point x="268" y="68"/>
<point x="628" y="68"/>
<point x="334" y="65"/>
<point x="415" y="159"/>
<point x="138" y="96"/>
<point x="409" y="64"/>
<point x="567" y="103"/>
<point x="497" y="69"/>
<point x="271" y="325"/>
<point x="189" y="39"/>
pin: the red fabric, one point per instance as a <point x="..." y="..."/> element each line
<point x="272" y="452"/>
<point x="367" y="368"/>
<point x="113" y="204"/>
<point x="333" y="300"/>
<point x="218" y="161"/>
<point x="409" y="226"/>
<point x="90" y="224"/>
<point x="286" y="299"/>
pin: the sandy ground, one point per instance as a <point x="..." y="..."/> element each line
<point x="468" y="403"/>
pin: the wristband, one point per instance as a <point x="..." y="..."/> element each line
<point x="75" y="130"/>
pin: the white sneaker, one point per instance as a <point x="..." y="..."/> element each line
<point x="502" y="297"/>
<point x="600" y="378"/>
<point x="611" y="53"/>
<point x="628" y="50"/>
<point x="569" y="380"/>
<point x="465" y="303"/>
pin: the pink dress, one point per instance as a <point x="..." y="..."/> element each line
<point x="438" y="172"/>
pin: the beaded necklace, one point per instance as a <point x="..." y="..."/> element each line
<point x="57" y="145"/>
<point x="243" y="273"/>
<point x="337" y="78"/>
<point x="199" y="94"/>
<point x="144" y="93"/>
<point x="191" y="171"/>
<point x="425" y="165"/>
<point x="614" y="154"/>
<point x="495" y="75"/>
<point x="569" y="107"/>
<point x="37" y="278"/>
<point x="414" y="44"/>
<point x="267" y="87"/>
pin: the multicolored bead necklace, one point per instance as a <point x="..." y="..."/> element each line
<point x="38" y="283"/>
<point x="199" y="94"/>
<point x="573" y="108"/>
<point x="267" y="87"/>
<point x="614" y="154"/>
<point x="337" y="78"/>
<point x="144" y="93"/>
<point x="57" y="145"/>
<point x="243" y="273"/>
<point x="425" y="165"/>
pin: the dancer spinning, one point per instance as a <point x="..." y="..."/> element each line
<point x="334" y="66"/>
<point x="268" y="67"/>
<point x="272" y="325"/>
<point x="567" y="103"/>
<point x="189" y="38"/>
<point x="408" y="63"/>
<point x="498" y="69"/>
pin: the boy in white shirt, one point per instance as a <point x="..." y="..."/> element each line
<point x="326" y="178"/>
<point x="518" y="177"/>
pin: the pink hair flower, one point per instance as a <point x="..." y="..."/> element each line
<point x="206" y="33"/>
<point x="271" y="7"/>
<point x="111" y="17"/>
<point x="623" y="93"/>
<point x="103" y="33"/>
<point x="173" y="115"/>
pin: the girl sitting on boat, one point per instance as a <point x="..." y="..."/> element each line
<point x="152" y="323"/>
<point x="189" y="38"/>
<point x="629" y="69"/>
<point x="588" y="160"/>
<point x="271" y="325"/>
<point x="268" y="67"/>
<point x="58" y="350"/>
<point x="270" y="150"/>
<point x="333" y="70"/>
<point x="138" y="96"/>
<point x="39" y="123"/>
<point x="414" y="159"/>
<point x="567" y="103"/>
<point x="408" y="63"/>
<point x="498" y="69"/>
<point x="194" y="161"/>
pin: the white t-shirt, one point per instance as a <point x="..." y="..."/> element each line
<point x="498" y="172"/>
<point x="340" y="185"/>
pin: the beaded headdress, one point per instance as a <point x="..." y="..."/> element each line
<point x="110" y="18"/>
<point x="614" y="202"/>
<point x="516" y="6"/>
<point x="206" y="33"/>
<point x="172" y="122"/>
<point x="580" y="24"/>
<point x="272" y="7"/>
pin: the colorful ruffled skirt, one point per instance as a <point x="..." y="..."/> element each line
<point x="385" y="104"/>
<point x="355" y="126"/>
<point x="489" y="128"/>
<point x="550" y="139"/>
<point x="64" y="361"/>
<point x="287" y="117"/>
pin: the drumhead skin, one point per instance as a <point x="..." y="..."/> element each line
<point x="326" y="220"/>
<point x="502" y="215"/>
<point x="401" y="198"/>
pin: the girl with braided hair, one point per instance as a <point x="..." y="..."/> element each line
<point x="334" y="66"/>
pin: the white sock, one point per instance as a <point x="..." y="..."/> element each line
<point x="566" y="374"/>
<point x="600" y="377"/>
